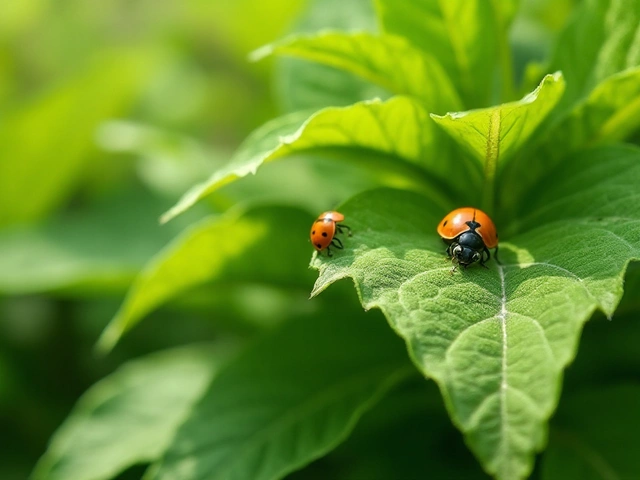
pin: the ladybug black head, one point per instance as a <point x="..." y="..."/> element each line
<point x="467" y="249"/>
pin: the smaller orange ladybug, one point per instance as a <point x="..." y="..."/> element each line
<point x="470" y="233"/>
<point x="323" y="231"/>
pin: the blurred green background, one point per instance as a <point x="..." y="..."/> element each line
<point x="109" y="111"/>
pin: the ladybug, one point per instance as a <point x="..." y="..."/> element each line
<point x="470" y="233"/>
<point x="323" y="231"/>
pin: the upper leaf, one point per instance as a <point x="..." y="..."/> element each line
<point x="602" y="39"/>
<point x="387" y="60"/>
<point x="464" y="35"/>
<point x="396" y="137"/>
<point x="289" y="399"/>
<point x="493" y="135"/>
<point x="496" y="340"/>
<point x="130" y="416"/>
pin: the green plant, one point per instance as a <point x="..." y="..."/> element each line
<point x="548" y="167"/>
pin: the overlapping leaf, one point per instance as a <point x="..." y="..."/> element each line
<point x="466" y="36"/>
<point x="231" y="248"/>
<point x="130" y="416"/>
<point x="289" y="399"/>
<point x="584" y="446"/>
<point x="497" y="340"/>
<point x="395" y="137"/>
<point x="387" y="60"/>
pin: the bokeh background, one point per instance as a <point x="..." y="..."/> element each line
<point x="109" y="111"/>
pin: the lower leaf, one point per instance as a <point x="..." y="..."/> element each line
<point x="496" y="340"/>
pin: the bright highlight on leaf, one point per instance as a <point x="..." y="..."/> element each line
<point x="395" y="136"/>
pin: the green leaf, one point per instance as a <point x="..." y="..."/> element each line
<point x="601" y="40"/>
<point x="588" y="446"/>
<point x="288" y="400"/>
<point x="130" y="416"/>
<point x="395" y="137"/>
<point x="493" y="135"/>
<point x="387" y="60"/>
<point x="83" y="251"/>
<point x="611" y="112"/>
<point x="497" y="340"/>
<point x="232" y="248"/>
<point x="463" y="35"/>
<point x="53" y="137"/>
<point x="302" y="85"/>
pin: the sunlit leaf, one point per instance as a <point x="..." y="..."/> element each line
<point x="465" y="36"/>
<point x="497" y="340"/>
<point x="395" y="136"/>
<point x="387" y="60"/>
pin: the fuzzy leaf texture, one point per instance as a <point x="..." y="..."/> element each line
<point x="496" y="341"/>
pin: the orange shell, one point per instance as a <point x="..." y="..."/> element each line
<point x="455" y="223"/>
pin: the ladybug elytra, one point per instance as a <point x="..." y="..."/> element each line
<point x="323" y="231"/>
<point x="469" y="234"/>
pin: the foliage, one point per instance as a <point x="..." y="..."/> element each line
<point x="393" y="112"/>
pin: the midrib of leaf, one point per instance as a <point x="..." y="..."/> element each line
<point x="331" y="395"/>
<point x="618" y="125"/>
<point x="491" y="159"/>
<point x="504" y="384"/>
<point x="589" y="454"/>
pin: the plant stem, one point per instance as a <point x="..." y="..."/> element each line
<point x="491" y="161"/>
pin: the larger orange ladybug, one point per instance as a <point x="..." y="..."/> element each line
<point x="323" y="231"/>
<point x="469" y="234"/>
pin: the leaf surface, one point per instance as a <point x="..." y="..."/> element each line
<point x="130" y="416"/>
<point x="387" y="60"/>
<point x="497" y="340"/>
<point x="584" y="446"/>
<point x="463" y="35"/>
<point x="289" y="399"/>
<point x="395" y="136"/>
<point x="232" y="248"/>
<point x="602" y="39"/>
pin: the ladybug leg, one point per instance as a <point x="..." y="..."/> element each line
<point x="346" y="227"/>
<point x="338" y="244"/>
<point x="329" y="254"/>
<point x="495" y="254"/>
<point x="482" y="260"/>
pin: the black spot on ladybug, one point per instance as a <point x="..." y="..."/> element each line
<point x="445" y="223"/>
<point x="313" y="233"/>
<point x="318" y="245"/>
<point x="324" y="234"/>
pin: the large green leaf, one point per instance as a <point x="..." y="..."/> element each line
<point x="387" y="60"/>
<point x="466" y="36"/>
<point x="288" y="400"/>
<point x="396" y="137"/>
<point x="497" y="340"/>
<point x="595" y="436"/>
<point x="267" y="244"/>
<point x="493" y="135"/>
<point x="601" y="40"/>
<point x="130" y="416"/>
